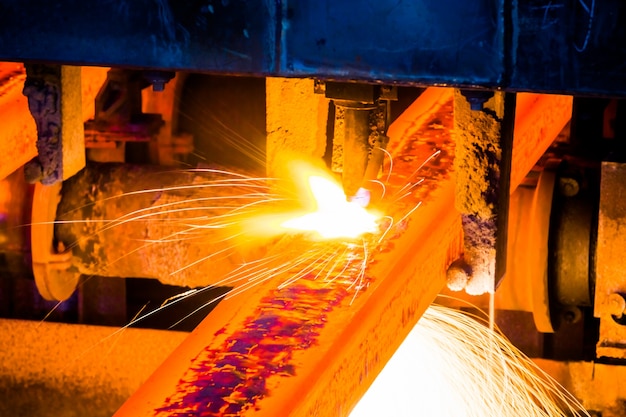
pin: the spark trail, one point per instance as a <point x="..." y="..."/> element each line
<point x="454" y="365"/>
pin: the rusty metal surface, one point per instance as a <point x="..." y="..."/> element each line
<point x="54" y="99"/>
<point x="313" y="347"/>
<point x="296" y="120"/>
<point x="123" y="220"/>
<point x="539" y="120"/>
<point x="355" y="146"/>
<point x="484" y="129"/>
<point x="611" y="246"/>
<point x="18" y="135"/>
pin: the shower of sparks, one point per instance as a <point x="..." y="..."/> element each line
<point x="246" y="230"/>
<point x="334" y="217"/>
<point x="451" y="364"/>
<point x="458" y="366"/>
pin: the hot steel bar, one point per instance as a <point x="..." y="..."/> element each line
<point x="313" y="348"/>
<point x="539" y="118"/>
<point x="306" y="349"/>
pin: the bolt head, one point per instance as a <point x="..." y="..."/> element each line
<point x="568" y="187"/>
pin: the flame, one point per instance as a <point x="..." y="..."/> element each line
<point x="334" y="216"/>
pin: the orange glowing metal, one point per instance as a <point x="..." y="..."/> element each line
<point x="334" y="216"/>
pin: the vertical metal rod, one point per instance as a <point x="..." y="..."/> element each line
<point x="355" y="146"/>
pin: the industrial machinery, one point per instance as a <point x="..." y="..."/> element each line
<point x="510" y="112"/>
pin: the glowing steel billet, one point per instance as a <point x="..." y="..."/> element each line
<point x="321" y="345"/>
<point x="310" y="348"/>
<point x="412" y="276"/>
<point x="353" y="342"/>
<point x="539" y="118"/>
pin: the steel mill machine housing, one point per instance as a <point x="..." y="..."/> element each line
<point x="532" y="92"/>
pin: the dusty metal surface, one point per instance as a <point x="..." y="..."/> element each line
<point x="69" y="370"/>
<point x="484" y="133"/>
<point x="313" y="347"/>
<point x="54" y="99"/>
<point x="296" y="121"/>
<point x="536" y="120"/>
<point x="361" y="120"/>
<point x="355" y="146"/>
<point x="599" y="386"/>
<point x="609" y="304"/>
<point x="124" y="220"/>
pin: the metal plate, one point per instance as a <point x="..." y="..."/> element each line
<point x="228" y="36"/>
<point x="447" y="41"/>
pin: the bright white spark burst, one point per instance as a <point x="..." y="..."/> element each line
<point x="451" y="365"/>
<point x="334" y="216"/>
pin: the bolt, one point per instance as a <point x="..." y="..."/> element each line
<point x="616" y="305"/>
<point x="458" y="274"/>
<point x="319" y="86"/>
<point x="477" y="98"/>
<point x="568" y="187"/>
<point x="571" y="314"/>
<point x="158" y="79"/>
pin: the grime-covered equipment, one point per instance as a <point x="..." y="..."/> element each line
<point x="520" y="102"/>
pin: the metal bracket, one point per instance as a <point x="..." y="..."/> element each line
<point x="53" y="278"/>
<point x="484" y="147"/>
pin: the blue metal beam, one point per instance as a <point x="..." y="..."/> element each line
<point x="560" y="46"/>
